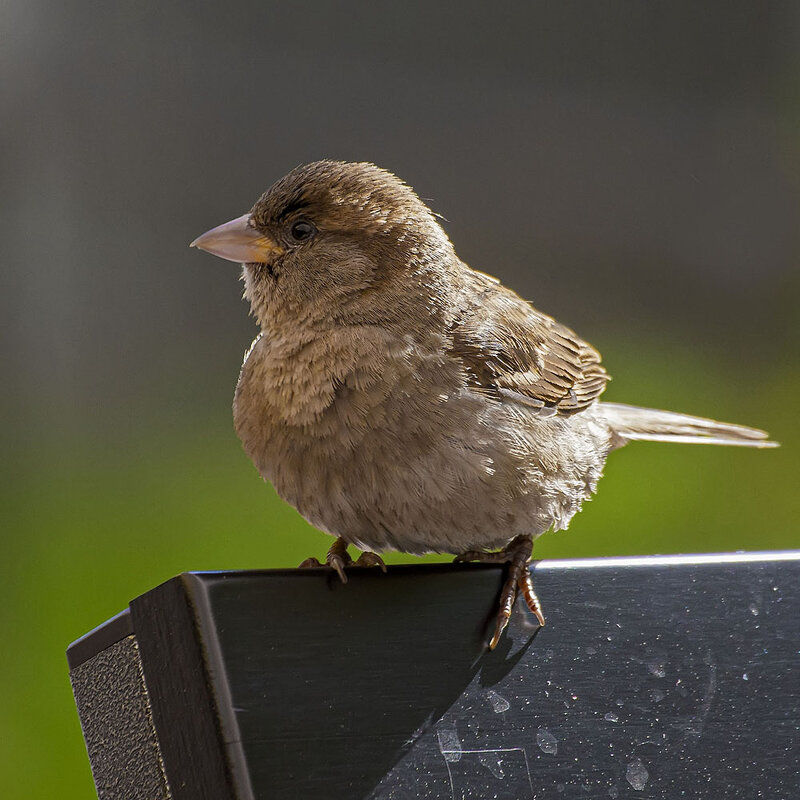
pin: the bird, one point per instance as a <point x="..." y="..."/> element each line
<point x="401" y="400"/>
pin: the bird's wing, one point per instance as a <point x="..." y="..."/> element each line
<point x="514" y="352"/>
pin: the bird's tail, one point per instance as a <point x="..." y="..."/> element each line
<point x="630" y="423"/>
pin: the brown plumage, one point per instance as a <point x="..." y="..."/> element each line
<point x="401" y="400"/>
<point x="509" y="348"/>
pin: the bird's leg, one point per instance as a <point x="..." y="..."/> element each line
<point x="338" y="558"/>
<point x="518" y="554"/>
<point x="518" y="579"/>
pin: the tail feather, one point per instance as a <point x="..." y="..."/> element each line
<point x="631" y="423"/>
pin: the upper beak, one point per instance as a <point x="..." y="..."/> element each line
<point x="238" y="241"/>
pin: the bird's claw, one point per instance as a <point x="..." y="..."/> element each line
<point x="337" y="563"/>
<point x="525" y="585"/>
<point x="522" y="584"/>
<point x="338" y="558"/>
<point x="517" y="554"/>
<point x="368" y="559"/>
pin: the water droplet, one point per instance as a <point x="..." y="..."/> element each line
<point x="613" y="793"/>
<point x="754" y="609"/>
<point x="498" y="702"/>
<point x="449" y="744"/>
<point x="560" y="787"/>
<point x="591" y="650"/>
<point x="493" y="764"/>
<point x="744" y="677"/>
<point x="546" y="741"/>
<point x="611" y="717"/>
<point x="656" y="695"/>
<point x="657" y="668"/>
<point x="637" y="774"/>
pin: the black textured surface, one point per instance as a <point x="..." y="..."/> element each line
<point x="117" y="724"/>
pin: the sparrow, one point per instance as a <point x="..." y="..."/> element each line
<point x="401" y="400"/>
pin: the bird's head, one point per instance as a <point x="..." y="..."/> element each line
<point x="334" y="240"/>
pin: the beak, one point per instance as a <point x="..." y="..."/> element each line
<point x="238" y="241"/>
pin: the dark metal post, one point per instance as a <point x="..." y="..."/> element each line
<point x="654" y="677"/>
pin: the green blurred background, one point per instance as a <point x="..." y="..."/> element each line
<point x="632" y="167"/>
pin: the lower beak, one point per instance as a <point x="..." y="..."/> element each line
<point x="238" y="241"/>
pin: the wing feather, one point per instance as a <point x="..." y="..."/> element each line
<point x="514" y="352"/>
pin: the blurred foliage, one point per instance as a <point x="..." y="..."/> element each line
<point x="100" y="518"/>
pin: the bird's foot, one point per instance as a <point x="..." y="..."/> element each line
<point x="517" y="553"/>
<point x="338" y="558"/>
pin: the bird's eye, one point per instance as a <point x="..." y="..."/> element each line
<point x="302" y="230"/>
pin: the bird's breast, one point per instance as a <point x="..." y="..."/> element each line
<point x="333" y="398"/>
